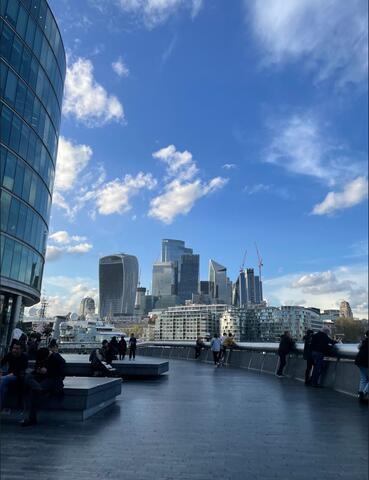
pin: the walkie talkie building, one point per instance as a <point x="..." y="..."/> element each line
<point x="118" y="279"/>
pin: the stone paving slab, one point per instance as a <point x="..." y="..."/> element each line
<point x="200" y="423"/>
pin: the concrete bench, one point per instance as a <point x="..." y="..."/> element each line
<point x="83" y="397"/>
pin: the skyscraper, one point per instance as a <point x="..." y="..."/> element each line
<point x="345" y="310"/>
<point x="219" y="283"/>
<point x="118" y="279"/>
<point x="87" y="306"/>
<point x="250" y="285"/>
<point x="32" y="79"/>
<point x="172" y="250"/>
<point x="164" y="279"/>
<point x="188" y="276"/>
<point x="258" y="290"/>
<point x="240" y="291"/>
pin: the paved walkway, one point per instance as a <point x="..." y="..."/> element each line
<point x="200" y="423"/>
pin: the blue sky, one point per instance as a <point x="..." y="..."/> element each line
<point x="220" y="123"/>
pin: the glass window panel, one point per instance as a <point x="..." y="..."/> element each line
<point x="28" y="227"/>
<point x="16" y="55"/>
<point x="27" y="277"/>
<point x="3" y="8"/>
<point x="38" y="156"/>
<point x="26" y="64"/>
<point x="23" y="147"/>
<point x="26" y="184"/>
<point x="5" y="207"/>
<point x="33" y="269"/>
<point x="20" y="98"/>
<point x="28" y="107"/>
<point x="17" y="255"/>
<point x="11" y="88"/>
<point x="44" y="51"/>
<point x="32" y="192"/>
<point x="37" y="45"/>
<point x="9" y="172"/>
<point x="13" y="216"/>
<point x="35" y="7"/>
<point x="23" y="264"/>
<point x="34" y="231"/>
<point x="19" y="178"/>
<point x="15" y="133"/>
<point x="42" y="13"/>
<point x="2" y="243"/>
<point x="2" y="163"/>
<point x="31" y="148"/>
<point x="22" y="21"/>
<point x="6" y="42"/>
<point x="21" y="227"/>
<point x="35" y="114"/>
<point x="31" y="27"/>
<point x="3" y="75"/>
<point x="33" y="73"/>
<point x="7" y="257"/>
<point x="6" y="122"/>
<point x="11" y="12"/>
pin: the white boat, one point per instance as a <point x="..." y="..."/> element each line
<point x="89" y="331"/>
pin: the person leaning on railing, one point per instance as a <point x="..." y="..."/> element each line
<point x="199" y="346"/>
<point x="361" y="361"/>
<point x="321" y="346"/>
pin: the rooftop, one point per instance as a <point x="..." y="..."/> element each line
<point x="200" y="423"/>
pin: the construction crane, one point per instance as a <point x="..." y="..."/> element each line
<point x="242" y="267"/>
<point x="260" y="261"/>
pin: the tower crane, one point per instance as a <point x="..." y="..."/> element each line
<point x="260" y="260"/>
<point x="242" y="267"/>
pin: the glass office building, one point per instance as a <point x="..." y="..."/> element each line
<point x="118" y="279"/>
<point x="32" y="79"/>
<point x="172" y="250"/>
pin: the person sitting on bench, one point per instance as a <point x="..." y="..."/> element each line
<point x="16" y="362"/>
<point x="47" y="378"/>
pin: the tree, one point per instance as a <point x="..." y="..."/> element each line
<point x="352" y="330"/>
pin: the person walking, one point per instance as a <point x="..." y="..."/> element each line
<point x="199" y="346"/>
<point x="321" y="346"/>
<point x="132" y="346"/>
<point x="286" y="345"/>
<point x="215" y="346"/>
<point x="122" y="347"/>
<point x="361" y="361"/>
<point x="308" y="355"/>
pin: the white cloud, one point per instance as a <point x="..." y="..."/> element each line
<point x="86" y="99"/>
<point x="331" y="37"/>
<point x="229" y="166"/>
<point x="156" y="12"/>
<point x="325" y="289"/>
<point x="301" y="145"/>
<point x="72" y="159"/>
<point x="115" y="196"/>
<point x="61" y="242"/>
<point x="64" y="294"/>
<point x="182" y="189"/>
<point x="120" y="68"/>
<point x="352" y="194"/>
<point x="267" y="188"/>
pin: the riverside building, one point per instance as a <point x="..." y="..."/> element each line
<point x="33" y="69"/>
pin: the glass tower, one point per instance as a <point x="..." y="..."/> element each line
<point x="172" y="250"/>
<point x="32" y="61"/>
<point x="188" y="276"/>
<point x="118" y="279"/>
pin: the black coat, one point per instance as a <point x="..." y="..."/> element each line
<point x="286" y="345"/>
<point x="321" y="343"/>
<point x="361" y="359"/>
<point x="16" y="365"/>
<point x="307" y="345"/>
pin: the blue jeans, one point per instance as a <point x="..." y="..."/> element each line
<point x="318" y="359"/>
<point x="5" y="382"/>
<point x="363" y="385"/>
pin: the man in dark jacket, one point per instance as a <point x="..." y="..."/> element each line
<point x="308" y="355"/>
<point x="122" y="347"/>
<point x="361" y="361"/>
<point x="321" y="346"/>
<point x="47" y="378"/>
<point x="132" y="346"/>
<point x="16" y="362"/>
<point x="286" y="346"/>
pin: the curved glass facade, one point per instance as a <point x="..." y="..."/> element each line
<point x="33" y="69"/>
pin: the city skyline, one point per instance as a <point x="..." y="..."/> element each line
<point x="219" y="120"/>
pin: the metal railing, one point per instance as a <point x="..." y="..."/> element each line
<point x="341" y="350"/>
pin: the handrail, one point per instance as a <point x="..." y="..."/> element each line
<point x="341" y="350"/>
